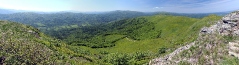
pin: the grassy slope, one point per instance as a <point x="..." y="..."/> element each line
<point x="176" y="31"/>
<point x="171" y="27"/>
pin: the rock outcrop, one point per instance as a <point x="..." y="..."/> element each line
<point x="234" y="49"/>
<point x="166" y="59"/>
<point x="227" y="26"/>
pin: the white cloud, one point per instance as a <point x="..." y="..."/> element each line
<point x="157" y="7"/>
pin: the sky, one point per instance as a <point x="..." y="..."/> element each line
<point x="178" y="6"/>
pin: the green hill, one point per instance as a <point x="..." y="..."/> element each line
<point x="138" y="29"/>
<point x="21" y="44"/>
<point x="63" y="20"/>
<point x="120" y="42"/>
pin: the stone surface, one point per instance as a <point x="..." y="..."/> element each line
<point x="228" y="25"/>
<point x="234" y="48"/>
<point x="166" y="59"/>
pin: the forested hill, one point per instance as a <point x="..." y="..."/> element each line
<point x="142" y="28"/>
<point x="67" y="20"/>
<point x="61" y="20"/>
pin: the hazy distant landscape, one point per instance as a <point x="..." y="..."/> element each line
<point x="132" y="32"/>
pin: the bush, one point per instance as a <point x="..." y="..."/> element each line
<point x="137" y="58"/>
<point x="162" y="50"/>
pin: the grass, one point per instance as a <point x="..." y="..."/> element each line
<point x="176" y="31"/>
<point x="210" y="49"/>
<point x="229" y="60"/>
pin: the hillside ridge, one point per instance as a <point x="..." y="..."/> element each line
<point x="220" y="37"/>
<point x="22" y="44"/>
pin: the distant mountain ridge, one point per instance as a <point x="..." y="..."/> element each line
<point x="4" y="11"/>
<point x="10" y="11"/>
<point x="61" y="20"/>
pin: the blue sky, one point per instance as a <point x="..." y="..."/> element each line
<point x="180" y="6"/>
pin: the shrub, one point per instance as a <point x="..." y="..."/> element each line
<point x="162" y="50"/>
